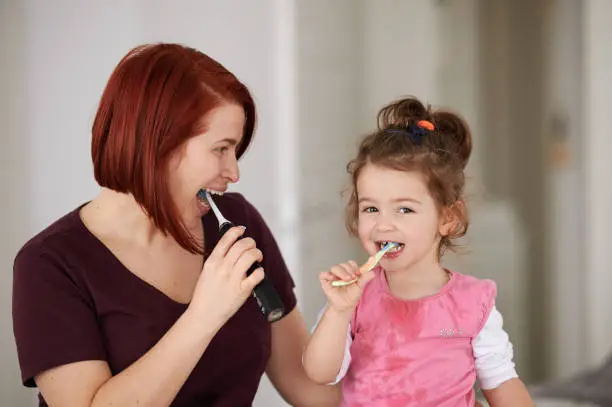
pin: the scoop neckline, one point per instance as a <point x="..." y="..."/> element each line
<point x="452" y="278"/>
<point x="108" y="253"/>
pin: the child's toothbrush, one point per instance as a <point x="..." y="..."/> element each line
<point x="369" y="265"/>
<point x="268" y="299"/>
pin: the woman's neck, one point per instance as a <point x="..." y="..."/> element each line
<point x="120" y="215"/>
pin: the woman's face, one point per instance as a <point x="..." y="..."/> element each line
<point x="206" y="161"/>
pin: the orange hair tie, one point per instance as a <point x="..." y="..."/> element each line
<point x="426" y="124"/>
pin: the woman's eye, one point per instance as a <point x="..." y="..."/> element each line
<point x="369" y="209"/>
<point x="406" y="210"/>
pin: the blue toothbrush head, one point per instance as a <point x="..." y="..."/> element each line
<point x="202" y="195"/>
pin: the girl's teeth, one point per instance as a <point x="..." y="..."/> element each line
<point x="394" y="249"/>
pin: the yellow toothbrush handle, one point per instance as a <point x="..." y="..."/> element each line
<point x="342" y="283"/>
<point x="367" y="266"/>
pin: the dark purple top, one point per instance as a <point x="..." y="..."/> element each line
<point x="73" y="301"/>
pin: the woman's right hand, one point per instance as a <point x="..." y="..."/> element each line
<point x="344" y="298"/>
<point x="223" y="285"/>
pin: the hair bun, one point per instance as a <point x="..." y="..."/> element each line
<point x="455" y="133"/>
<point x="402" y="113"/>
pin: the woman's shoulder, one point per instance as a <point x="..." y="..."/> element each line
<point x="56" y="253"/>
<point x="66" y="231"/>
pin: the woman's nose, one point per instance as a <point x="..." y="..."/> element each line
<point x="231" y="171"/>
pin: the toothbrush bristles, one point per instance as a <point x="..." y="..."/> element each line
<point x="202" y="195"/>
<point x="205" y="193"/>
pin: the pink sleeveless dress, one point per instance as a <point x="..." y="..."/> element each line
<point x="416" y="352"/>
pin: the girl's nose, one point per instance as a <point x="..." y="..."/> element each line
<point x="383" y="223"/>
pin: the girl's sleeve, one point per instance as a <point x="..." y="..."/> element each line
<point x="493" y="353"/>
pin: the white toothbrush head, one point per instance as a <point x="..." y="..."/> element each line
<point x="205" y="196"/>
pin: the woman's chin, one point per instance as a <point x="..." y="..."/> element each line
<point x="203" y="211"/>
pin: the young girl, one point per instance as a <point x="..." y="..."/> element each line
<point x="409" y="332"/>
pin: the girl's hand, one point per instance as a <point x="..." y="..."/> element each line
<point x="344" y="298"/>
<point x="223" y="285"/>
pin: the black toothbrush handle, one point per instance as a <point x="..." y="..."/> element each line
<point x="270" y="303"/>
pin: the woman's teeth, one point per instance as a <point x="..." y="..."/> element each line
<point x="202" y="195"/>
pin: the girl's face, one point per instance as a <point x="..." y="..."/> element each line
<point x="396" y="206"/>
<point x="207" y="161"/>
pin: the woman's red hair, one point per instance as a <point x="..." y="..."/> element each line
<point x="153" y="102"/>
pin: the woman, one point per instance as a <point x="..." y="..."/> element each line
<point x="131" y="299"/>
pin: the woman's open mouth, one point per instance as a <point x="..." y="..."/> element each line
<point x="203" y="199"/>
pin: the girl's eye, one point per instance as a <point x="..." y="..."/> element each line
<point x="223" y="150"/>
<point x="406" y="210"/>
<point x="369" y="209"/>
